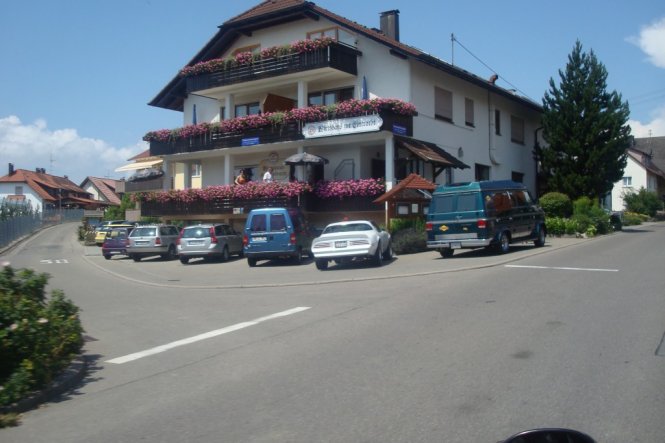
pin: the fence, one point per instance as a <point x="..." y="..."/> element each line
<point x="16" y="227"/>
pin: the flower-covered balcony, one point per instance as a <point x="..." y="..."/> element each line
<point x="324" y="196"/>
<point x="304" y="55"/>
<point x="272" y="127"/>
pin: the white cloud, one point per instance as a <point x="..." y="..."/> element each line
<point x="652" y="42"/>
<point x="654" y="128"/>
<point x="30" y="146"/>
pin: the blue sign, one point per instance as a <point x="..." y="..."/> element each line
<point x="249" y="141"/>
<point x="399" y="130"/>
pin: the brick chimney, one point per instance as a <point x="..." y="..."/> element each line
<point x="11" y="169"/>
<point x="390" y="24"/>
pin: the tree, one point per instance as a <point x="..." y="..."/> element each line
<point x="585" y="130"/>
<point x="118" y="212"/>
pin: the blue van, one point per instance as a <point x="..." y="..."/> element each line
<point x="276" y="233"/>
<point x="490" y="214"/>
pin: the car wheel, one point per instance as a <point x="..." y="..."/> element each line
<point x="446" y="252"/>
<point x="504" y="243"/>
<point x="136" y="258"/>
<point x="225" y="254"/>
<point x="540" y="240"/>
<point x="388" y="253"/>
<point x="107" y="256"/>
<point x="184" y="260"/>
<point x="251" y="262"/>
<point x="377" y="259"/>
<point x="321" y="264"/>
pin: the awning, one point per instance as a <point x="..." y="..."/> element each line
<point x="139" y="165"/>
<point x="428" y="152"/>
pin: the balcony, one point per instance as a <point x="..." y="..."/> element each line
<point x="291" y="131"/>
<point x="156" y="184"/>
<point x="308" y="203"/>
<point x="336" y="56"/>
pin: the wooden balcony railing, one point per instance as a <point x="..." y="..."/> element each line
<point x="401" y="124"/>
<point x="337" y="56"/>
<point x="307" y="202"/>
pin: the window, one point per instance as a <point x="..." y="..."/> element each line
<point x="248" y="109"/>
<point x="443" y="104"/>
<point x="258" y="223"/>
<point x="482" y="172"/>
<point x="516" y="130"/>
<point x="222" y="111"/>
<point x="18" y="190"/>
<point x="443" y="203"/>
<point x="497" y="122"/>
<point x="627" y="182"/>
<point x="329" y="97"/>
<point x="277" y="222"/>
<point x="517" y="177"/>
<point x="196" y="169"/>
<point x="467" y="202"/>
<point x="335" y="33"/>
<point x="254" y="49"/>
<point x="469" y="119"/>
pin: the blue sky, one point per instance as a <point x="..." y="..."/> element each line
<point x="76" y="75"/>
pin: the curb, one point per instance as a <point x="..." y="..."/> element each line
<point x="66" y="380"/>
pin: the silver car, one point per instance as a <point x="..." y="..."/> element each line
<point x="145" y="241"/>
<point x="209" y="241"/>
<point x="352" y="240"/>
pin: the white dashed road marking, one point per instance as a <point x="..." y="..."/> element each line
<point x="204" y="336"/>
<point x="563" y="268"/>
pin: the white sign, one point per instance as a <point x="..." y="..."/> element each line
<point x="343" y="126"/>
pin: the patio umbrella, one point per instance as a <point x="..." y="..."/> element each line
<point x="305" y="158"/>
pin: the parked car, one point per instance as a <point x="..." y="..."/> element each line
<point x="105" y="227"/>
<point x="276" y="233"/>
<point x="490" y="214"/>
<point x="145" y="241"/>
<point x="352" y="240"/>
<point x="116" y="242"/>
<point x="209" y="241"/>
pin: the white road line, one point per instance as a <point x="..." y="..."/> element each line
<point x="563" y="268"/>
<point x="204" y="336"/>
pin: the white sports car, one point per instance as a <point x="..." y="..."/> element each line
<point x="351" y="240"/>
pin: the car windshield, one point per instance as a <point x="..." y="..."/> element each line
<point x="144" y="232"/>
<point x="198" y="232"/>
<point x="351" y="227"/>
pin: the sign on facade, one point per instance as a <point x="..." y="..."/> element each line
<point x="343" y="126"/>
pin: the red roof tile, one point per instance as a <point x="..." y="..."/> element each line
<point x="413" y="181"/>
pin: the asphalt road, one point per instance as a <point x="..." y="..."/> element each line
<point x="423" y="349"/>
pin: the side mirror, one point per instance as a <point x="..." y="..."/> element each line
<point x="550" y="436"/>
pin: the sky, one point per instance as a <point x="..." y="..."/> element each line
<point x="76" y="75"/>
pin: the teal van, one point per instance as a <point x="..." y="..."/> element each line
<point x="276" y="233"/>
<point x="489" y="214"/>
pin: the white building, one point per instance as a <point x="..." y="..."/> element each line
<point x="466" y="128"/>
<point x="640" y="172"/>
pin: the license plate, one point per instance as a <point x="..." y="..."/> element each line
<point x="259" y="239"/>
<point x="455" y="245"/>
<point x="141" y="243"/>
<point x="340" y="244"/>
<point x="195" y="242"/>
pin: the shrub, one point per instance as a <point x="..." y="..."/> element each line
<point x="409" y="241"/>
<point x="632" y="218"/>
<point x="591" y="219"/>
<point x="556" y="204"/>
<point x="38" y="335"/>
<point x="642" y="202"/>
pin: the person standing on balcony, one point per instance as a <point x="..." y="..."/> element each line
<point x="241" y="179"/>
<point x="267" y="177"/>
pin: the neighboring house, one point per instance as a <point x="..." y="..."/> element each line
<point x="44" y="191"/>
<point x="146" y="172"/>
<point x="644" y="169"/>
<point x="488" y="132"/>
<point x="102" y="189"/>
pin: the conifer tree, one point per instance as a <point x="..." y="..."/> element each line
<point x="585" y="130"/>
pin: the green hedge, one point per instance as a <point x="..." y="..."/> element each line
<point x="587" y="218"/>
<point x="39" y="335"/>
<point x="408" y="235"/>
<point x="556" y="204"/>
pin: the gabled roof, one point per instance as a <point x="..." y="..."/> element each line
<point x="40" y="181"/>
<point x="646" y="161"/>
<point x="413" y="181"/>
<point x="106" y="187"/>
<point x="654" y="147"/>
<point x="428" y="152"/>
<point x="273" y="12"/>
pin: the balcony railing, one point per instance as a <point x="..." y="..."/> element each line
<point x="308" y="203"/>
<point x="392" y="122"/>
<point x="156" y="184"/>
<point x="336" y="56"/>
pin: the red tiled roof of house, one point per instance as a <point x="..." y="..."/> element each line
<point x="39" y="181"/>
<point x="106" y="187"/>
<point x="266" y="7"/>
<point x="141" y="155"/>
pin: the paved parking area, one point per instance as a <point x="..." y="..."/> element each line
<point x="237" y="274"/>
